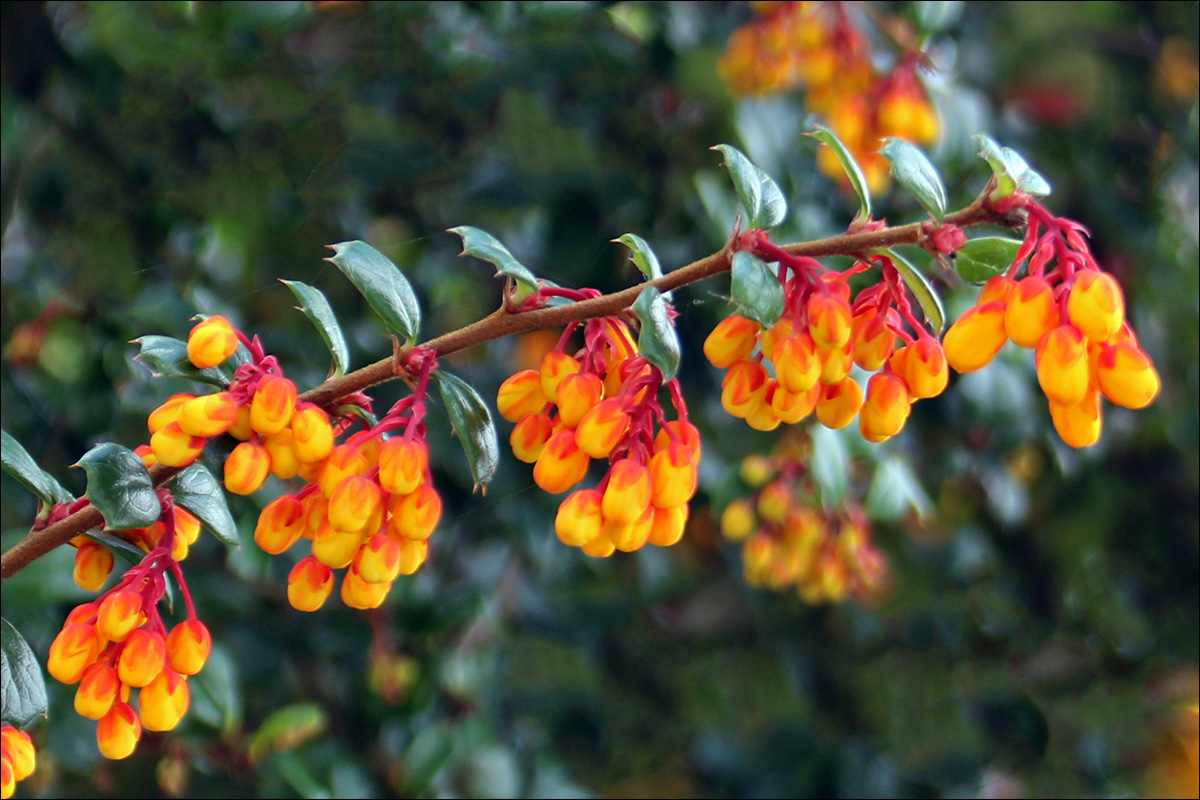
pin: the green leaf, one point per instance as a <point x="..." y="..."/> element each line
<point x="196" y="490"/>
<point x="472" y="421"/>
<point x="118" y="545"/>
<point x="922" y="289"/>
<point x="982" y="258"/>
<point x="658" y="342"/>
<point x="484" y="246"/>
<point x="300" y="773"/>
<point x="167" y="357"/>
<point x="317" y="309"/>
<point x="22" y="687"/>
<point x="17" y="462"/>
<point x="431" y="748"/>
<point x="641" y="255"/>
<point x="119" y="487"/>
<point x="382" y="284"/>
<point x="286" y="729"/>
<point x="829" y="463"/>
<point x="853" y="171"/>
<point x="894" y="490"/>
<point x="760" y="196"/>
<point x="916" y="173"/>
<point x="1011" y="169"/>
<point x="755" y="288"/>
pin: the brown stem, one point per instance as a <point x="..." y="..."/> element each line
<point x="502" y="323"/>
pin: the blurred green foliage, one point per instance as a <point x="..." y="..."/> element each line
<point x="164" y="159"/>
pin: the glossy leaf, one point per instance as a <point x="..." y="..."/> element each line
<point x="829" y="464"/>
<point x="196" y="490"/>
<point x="118" y="545"/>
<point x="922" y="289"/>
<point x="483" y="245"/>
<point x="916" y="173"/>
<point x="755" y="288"/>
<point x="853" y="171"/>
<point x="314" y="306"/>
<point x="472" y="422"/>
<point x="760" y="196"/>
<point x="658" y="341"/>
<point x="982" y="258"/>
<point x="17" y="462"/>
<point x="22" y="687"/>
<point x="166" y="357"/>
<point x="382" y="284"/>
<point x="1011" y="169"/>
<point x="287" y="728"/>
<point x="641" y="255"/>
<point x="119" y="487"/>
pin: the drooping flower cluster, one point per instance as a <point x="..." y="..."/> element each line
<point x="118" y="643"/>
<point x="1072" y="314"/>
<point x="815" y="45"/>
<point x="17" y="759"/>
<point x="370" y="507"/>
<point x="602" y="403"/>
<point x="788" y="540"/>
<point x="802" y="363"/>
<point x="94" y="561"/>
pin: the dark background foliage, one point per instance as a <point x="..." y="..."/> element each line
<point x="164" y="159"/>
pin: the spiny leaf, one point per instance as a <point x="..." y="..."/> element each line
<point x="922" y="289"/>
<point x="196" y="490"/>
<point x="979" y="259"/>
<point x="120" y="487"/>
<point x="22" y="687"/>
<point x="916" y="173"/>
<point x="1011" y="169"/>
<point x="658" y="341"/>
<point x="755" y="288"/>
<point x="760" y="196"/>
<point x="382" y="284"/>
<point x="472" y="421"/>
<point x="853" y="171"/>
<point x="641" y="255"/>
<point x="317" y="309"/>
<point x="483" y="245"/>
<point x="17" y="462"/>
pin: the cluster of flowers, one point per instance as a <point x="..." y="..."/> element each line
<point x="818" y="339"/>
<point x="119" y="642"/>
<point x="94" y="561"/>
<point x="1072" y="314"/>
<point x="603" y="403"/>
<point x="371" y="507"/>
<point x="816" y="46"/>
<point x="788" y="540"/>
<point x="17" y="759"/>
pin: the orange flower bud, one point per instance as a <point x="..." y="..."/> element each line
<point x="790" y="407"/>
<point x="835" y="364"/>
<point x="628" y="491"/>
<point x="281" y="449"/>
<point x="142" y="658"/>
<point x="358" y="593"/>
<point x="768" y="339"/>
<point x="1031" y="311"/>
<point x="93" y="563"/>
<point x="577" y="395"/>
<point x="521" y="395"/>
<point x="886" y="408"/>
<point x="1062" y="364"/>
<point x="333" y="547"/>
<point x="602" y="428"/>
<point x="19" y="752"/>
<point x="174" y="448"/>
<point x="273" y="404"/>
<point x="600" y="547"/>
<point x="763" y="418"/>
<point x="187" y="527"/>
<point x="144" y="452"/>
<point x="164" y="701"/>
<point x="312" y="435"/>
<point x="997" y="289"/>
<point x="309" y="584"/>
<point x="673" y="475"/>
<point x="378" y="561"/>
<point x="240" y="429"/>
<point x="84" y="614"/>
<point x="314" y="506"/>
<point x="744" y="388"/>
<point x="738" y="520"/>
<point x="871" y="341"/>
<point x="188" y="646"/>
<point x="118" y="732"/>
<point x="628" y="536"/>
<point x="279" y="524"/>
<point x="402" y="464"/>
<point x="556" y="365"/>
<point x="209" y="415"/>
<point x="1126" y="375"/>
<point x="973" y="341"/>
<point x="1079" y="423"/>
<point x="168" y="412"/>
<point x="98" y="690"/>
<point x="829" y="319"/>
<point x="246" y="468"/>
<point x="732" y="340"/>
<point x="414" y="516"/>
<point x="684" y="432"/>
<point x="345" y="460"/>
<point x="530" y="435"/>
<point x="413" y="553"/>
<point x="74" y="649"/>
<point x="925" y="370"/>
<point x="1096" y="305"/>
<point x="353" y="502"/>
<point x="668" y="525"/>
<point x="561" y="463"/>
<point x="579" y="517"/>
<point x="120" y="613"/>
<point x="797" y="367"/>
<point x="211" y="341"/>
<point x="839" y="404"/>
